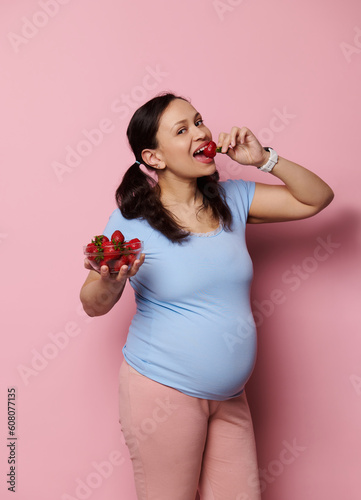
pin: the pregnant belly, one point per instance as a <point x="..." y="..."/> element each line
<point x="222" y="374"/>
<point x="210" y="366"/>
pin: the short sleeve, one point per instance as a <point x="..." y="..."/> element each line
<point x="240" y="195"/>
<point x="131" y="228"/>
<point x="114" y="223"/>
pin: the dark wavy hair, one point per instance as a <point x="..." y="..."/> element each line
<point x="138" y="195"/>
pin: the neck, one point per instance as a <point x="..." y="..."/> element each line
<point x="180" y="192"/>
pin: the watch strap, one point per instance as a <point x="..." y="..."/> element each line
<point x="273" y="159"/>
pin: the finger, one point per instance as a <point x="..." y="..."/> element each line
<point x="136" y="265"/>
<point x="224" y="141"/>
<point x="235" y="137"/>
<point x="87" y="264"/>
<point x="127" y="272"/>
<point x="243" y="134"/>
<point x="123" y="273"/>
<point x="104" y="271"/>
<point x="232" y="154"/>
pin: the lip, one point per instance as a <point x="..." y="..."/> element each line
<point x="201" y="146"/>
<point x="204" y="159"/>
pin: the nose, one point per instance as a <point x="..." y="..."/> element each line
<point x="199" y="133"/>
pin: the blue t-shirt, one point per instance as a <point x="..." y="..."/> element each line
<point x="193" y="329"/>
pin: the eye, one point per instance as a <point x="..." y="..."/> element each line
<point x="199" y="122"/>
<point x="181" y="131"/>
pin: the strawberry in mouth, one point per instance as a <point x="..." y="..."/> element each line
<point x="211" y="150"/>
<point x="207" y="151"/>
<point x="201" y="154"/>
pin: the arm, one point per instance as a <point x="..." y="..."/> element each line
<point x="101" y="291"/>
<point x="303" y="194"/>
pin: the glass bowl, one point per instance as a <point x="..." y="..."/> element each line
<point x="114" y="258"/>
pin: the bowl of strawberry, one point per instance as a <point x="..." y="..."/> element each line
<point x="113" y="253"/>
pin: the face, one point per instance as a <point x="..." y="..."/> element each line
<point x="180" y="135"/>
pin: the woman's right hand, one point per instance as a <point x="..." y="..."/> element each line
<point x="124" y="272"/>
<point x="103" y="289"/>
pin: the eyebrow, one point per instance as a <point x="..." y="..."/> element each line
<point x="185" y="120"/>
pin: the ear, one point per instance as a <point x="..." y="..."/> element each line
<point x="151" y="157"/>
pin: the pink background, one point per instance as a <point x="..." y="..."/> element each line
<point x="290" y="71"/>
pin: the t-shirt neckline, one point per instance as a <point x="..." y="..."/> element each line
<point x="215" y="232"/>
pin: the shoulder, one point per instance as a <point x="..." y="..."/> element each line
<point x="238" y="186"/>
<point x="131" y="228"/>
<point x="239" y="191"/>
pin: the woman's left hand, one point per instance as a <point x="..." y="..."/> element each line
<point x="243" y="147"/>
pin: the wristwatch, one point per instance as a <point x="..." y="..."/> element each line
<point x="273" y="159"/>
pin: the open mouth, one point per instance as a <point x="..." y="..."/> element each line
<point x="200" y="156"/>
<point x="200" y="150"/>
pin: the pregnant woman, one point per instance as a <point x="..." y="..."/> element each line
<point x="191" y="346"/>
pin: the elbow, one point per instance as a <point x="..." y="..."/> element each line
<point x="329" y="196"/>
<point x="90" y="312"/>
<point x="88" y="309"/>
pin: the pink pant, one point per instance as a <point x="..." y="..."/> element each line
<point x="179" y="443"/>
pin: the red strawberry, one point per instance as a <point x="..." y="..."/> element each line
<point x="131" y="258"/>
<point x="116" y="266"/>
<point x="100" y="262"/>
<point x="100" y="240"/>
<point x="133" y="244"/>
<point x="210" y="150"/>
<point x="115" y="253"/>
<point x="109" y="251"/>
<point x="117" y="237"/>
<point x="123" y="261"/>
<point x="91" y="248"/>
